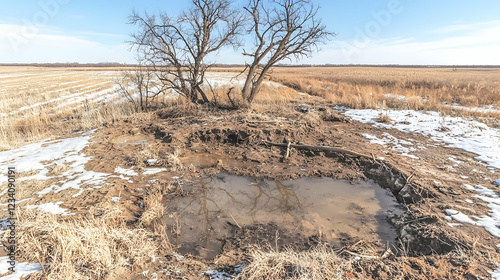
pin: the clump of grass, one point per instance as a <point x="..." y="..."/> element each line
<point x="153" y="204"/>
<point x="311" y="118"/>
<point x="318" y="263"/>
<point x="80" y="248"/>
<point x="57" y="169"/>
<point x="383" y="118"/>
<point x="148" y="155"/>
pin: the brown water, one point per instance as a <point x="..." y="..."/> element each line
<point x="333" y="209"/>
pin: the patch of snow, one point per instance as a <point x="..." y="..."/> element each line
<point x="495" y="274"/>
<point x="394" y="143"/>
<point x="128" y="172"/>
<point x="217" y="275"/>
<point x="50" y="207"/>
<point x="38" y="157"/>
<point x="497" y="182"/>
<point x="455" y="160"/>
<point x="115" y="199"/>
<point x="469" y="187"/>
<point x="459" y="217"/>
<point x="490" y="222"/>
<point x="221" y="275"/>
<point x="466" y="134"/>
<point x="21" y="269"/>
<point x="150" y="171"/>
<point x="469" y="201"/>
<point x="454" y="224"/>
<point x="151" y="161"/>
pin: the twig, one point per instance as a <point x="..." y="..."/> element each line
<point x="288" y="150"/>
<point x="238" y="225"/>
<point x="41" y="265"/>
<point x="409" y="177"/>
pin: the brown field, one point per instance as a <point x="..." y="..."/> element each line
<point x="39" y="103"/>
<point x="449" y="90"/>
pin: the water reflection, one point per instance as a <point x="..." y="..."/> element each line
<point x="309" y="206"/>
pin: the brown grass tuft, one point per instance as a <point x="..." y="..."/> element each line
<point x="80" y="248"/>
<point x="318" y="263"/>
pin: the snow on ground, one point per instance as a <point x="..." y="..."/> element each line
<point x="22" y="269"/>
<point x="394" y="143"/>
<point x="125" y="172"/>
<point x="39" y="157"/>
<point x="151" y="171"/>
<point x="217" y="79"/>
<point x="466" y="134"/>
<point x="50" y="207"/>
<point x="495" y="274"/>
<point x="490" y="222"/>
<point x="128" y="172"/>
<point x="222" y="275"/>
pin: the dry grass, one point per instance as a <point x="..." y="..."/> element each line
<point x="147" y="152"/>
<point x="400" y="88"/>
<point x="269" y="95"/>
<point x="80" y="248"/>
<point x="153" y="205"/>
<point x="318" y="263"/>
<point x="39" y="103"/>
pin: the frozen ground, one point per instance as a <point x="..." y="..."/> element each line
<point x="466" y="134"/>
<point x="399" y="145"/>
<point x="37" y="160"/>
<point x="22" y="269"/>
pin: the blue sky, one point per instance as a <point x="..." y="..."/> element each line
<point x="369" y="32"/>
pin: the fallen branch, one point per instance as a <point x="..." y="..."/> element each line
<point x="321" y="148"/>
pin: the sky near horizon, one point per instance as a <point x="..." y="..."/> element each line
<point x="425" y="32"/>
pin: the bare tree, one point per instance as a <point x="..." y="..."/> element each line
<point x="175" y="47"/>
<point x="283" y="29"/>
<point x="139" y="86"/>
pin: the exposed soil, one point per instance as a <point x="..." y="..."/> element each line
<point x="230" y="142"/>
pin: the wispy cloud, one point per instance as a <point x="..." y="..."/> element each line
<point x="48" y="44"/>
<point x="478" y="26"/>
<point x="476" y="44"/>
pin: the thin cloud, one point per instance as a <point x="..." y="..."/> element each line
<point x="478" y="26"/>
<point x="45" y="46"/>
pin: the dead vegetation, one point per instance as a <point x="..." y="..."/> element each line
<point x="462" y="92"/>
<point x="81" y="248"/>
<point x="318" y="263"/>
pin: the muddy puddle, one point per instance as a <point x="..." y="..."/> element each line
<point x="335" y="210"/>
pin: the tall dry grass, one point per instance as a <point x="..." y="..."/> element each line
<point x="40" y="103"/>
<point x="80" y="248"/>
<point x="317" y="263"/>
<point x="400" y="88"/>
